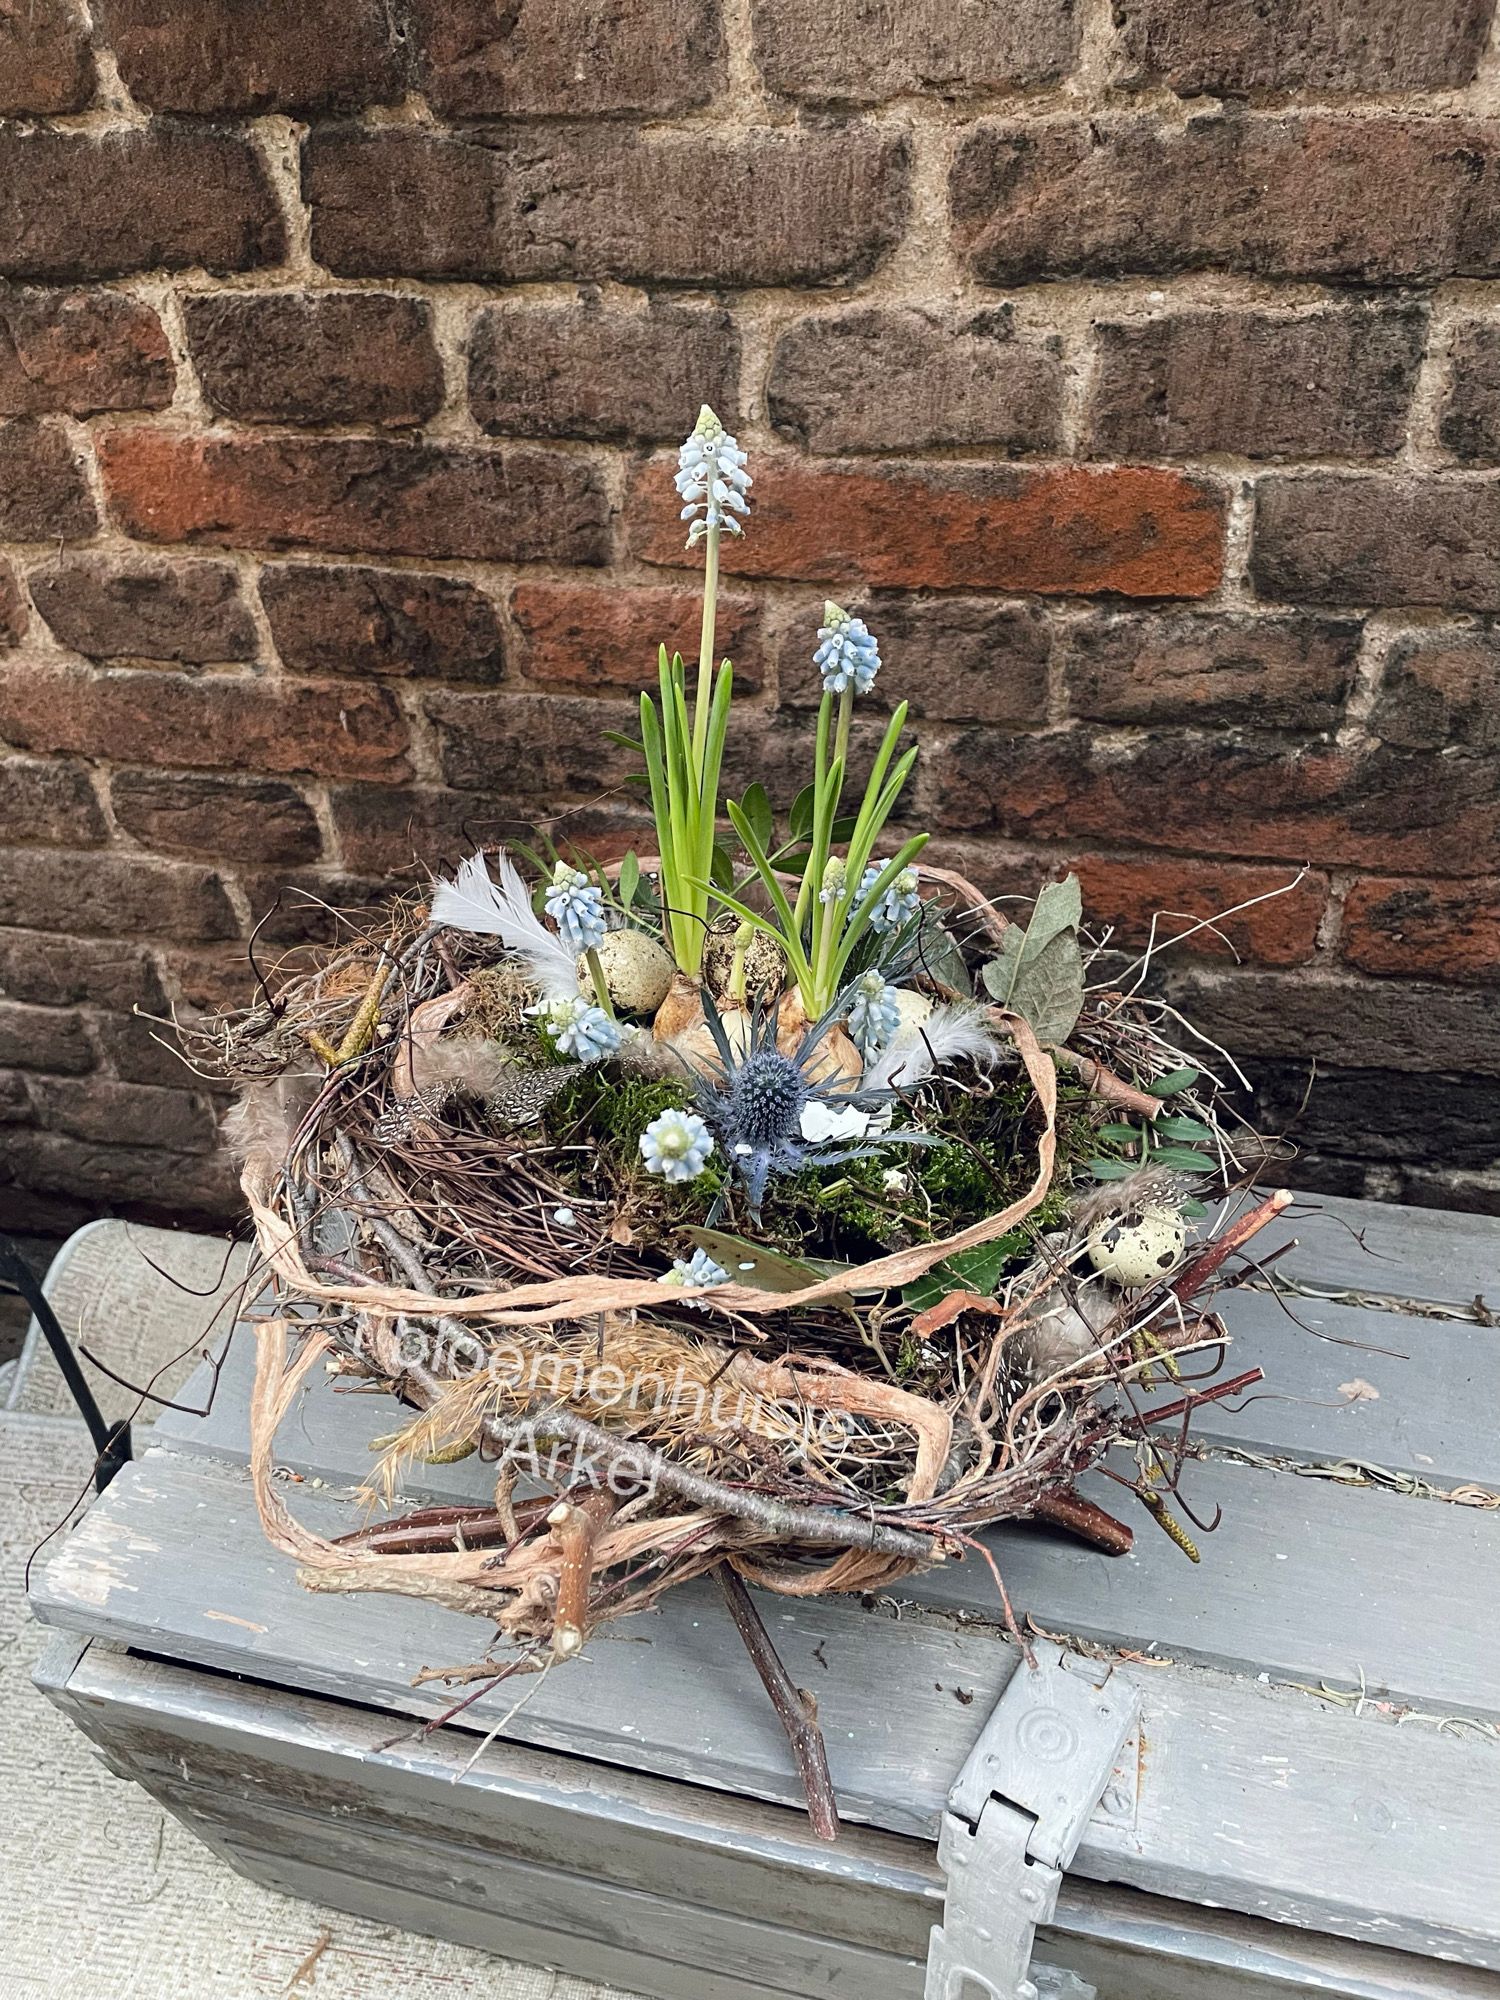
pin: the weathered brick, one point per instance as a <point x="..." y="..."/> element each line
<point x="43" y="495"/>
<point x="304" y="908"/>
<point x="365" y="494"/>
<point x="377" y="621"/>
<point x="51" y="1038"/>
<point x="126" y="1114"/>
<point x="601" y="201"/>
<point x="1260" y="384"/>
<point x="45" y="64"/>
<point x="1376" y="1024"/>
<point x="50" y="803"/>
<point x="1235" y="47"/>
<point x="1441" y="689"/>
<point x="178" y="195"/>
<point x="903" y="380"/>
<point x="396" y="830"/>
<point x="578" y="635"/>
<point x="251" y="819"/>
<point x="81" y="352"/>
<point x="60" y="971"/>
<point x="1376" y="538"/>
<point x="236" y="56"/>
<point x="112" y="610"/>
<point x="15" y="1100"/>
<point x="568" y="58"/>
<point x="1424" y="930"/>
<point x="113" y="896"/>
<point x="13" y="617"/>
<point x="1289" y="196"/>
<point x="315" y="358"/>
<point x="147" y="1181"/>
<point x="954" y="659"/>
<point x="142" y="1051"/>
<point x="1470" y="423"/>
<point x="1379" y="1114"/>
<point x="843" y="52"/>
<point x="1186" y="667"/>
<point x="1131" y="530"/>
<point x="1442" y="1186"/>
<point x="1130" y="894"/>
<point x="217" y="722"/>
<point x="557" y="371"/>
<point x="531" y="746"/>
<point x="1219" y="794"/>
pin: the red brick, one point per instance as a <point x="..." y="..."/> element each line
<point x="45" y="64"/>
<point x="188" y="612"/>
<point x="403" y="831"/>
<point x="1470" y="425"/>
<point x="576" y="635"/>
<point x="1215" y="794"/>
<point x="531" y="747"/>
<point x="955" y="659"/>
<point x="13" y="616"/>
<point x="1441" y="689"/>
<point x="1424" y="930"/>
<point x="1128" y="893"/>
<point x="81" y="352"/>
<point x="236" y="56"/>
<point x="780" y="207"/>
<point x="558" y="371"/>
<point x="376" y="621"/>
<point x="1131" y="530"/>
<point x="113" y="896"/>
<point x="315" y="358"/>
<point x="1382" y="539"/>
<point x="905" y="380"/>
<point x="364" y="494"/>
<point x="568" y="58"/>
<point x="839" y="52"/>
<point x="50" y="803"/>
<point x="126" y="1114"/>
<point x="178" y="195"/>
<point x="219" y="722"/>
<point x="1184" y="667"/>
<point x="1230" y="47"/>
<point x="54" y="971"/>
<point x="306" y="907"/>
<point x="50" y="1038"/>
<point x="43" y="496"/>
<point x="1289" y="196"/>
<point x="143" y="1051"/>
<point x="1264" y="385"/>
<point x="250" y="819"/>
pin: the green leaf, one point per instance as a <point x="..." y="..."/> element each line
<point x="721" y="873"/>
<point x="1183" y="1159"/>
<point x="766" y="1270"/>
<point x="1110" y="1170"/>
<point x="1120" y="1135"/>
<point x="629" y="879"/>
<point x="1059" y="908"/>
<point x="939" y="957"/>
<point x="756" y="806"/>
<point x="1174" y="1081"/>
<point x="978" y="1270"/>
<point x="1049" y="990"/>
<point x="799" y="820"/>
<point x="625" y="742"/>
<point x="1191" y="1129"/>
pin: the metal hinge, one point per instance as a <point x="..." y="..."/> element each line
<point x="1015" y="1817"/>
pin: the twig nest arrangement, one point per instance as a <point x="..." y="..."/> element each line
<point x="769" y="1201"/>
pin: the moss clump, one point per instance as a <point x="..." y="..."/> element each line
<point x="495" y="1009"/>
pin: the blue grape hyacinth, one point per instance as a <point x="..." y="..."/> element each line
<point x="584" y="1032"/>
<point x="847" y="655"/>
<point x="898" y="903"/>
<point x="711" y="478"/>
<point x="699" y="1269"/>
<point x="874" y="1013"/>
<point x="576" y="906"/>
<point x="677" y="1146"/>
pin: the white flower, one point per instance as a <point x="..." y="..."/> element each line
<point x="820" y="1122"/>
<point x="711" y="478"/>
<point x="894" y="1181"/>
<point x="835" y="880"/>
<point x="586" y="1033"/>
<point x="699" y="1269"/>
<point x="875" y="1013"/>
<point x="576" y="906"/>
<point x="899" y="902"/>
<point x="676" y="1145"/>
<point x="847" y="656"/>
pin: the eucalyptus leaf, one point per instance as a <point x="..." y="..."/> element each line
<point x="1174" y="1081"/>
<point x="764" y="1270"/>
<point x="1110" y="1170"/>
<point x="1183" y="1159"/>
<point x="1193" y="1130"/>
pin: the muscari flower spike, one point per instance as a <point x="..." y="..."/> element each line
<point x="576" y="906"/>
<point x="677" y="1145"/>
<point x="874" y="1013"/>
<point x="835" y="880"/>
<point x="711" y="478"/>
<point x="899" y="903"/>
<point x="699" y="1269"/>
<point x="847" y="655"/>
<point x="584" y="1032"/>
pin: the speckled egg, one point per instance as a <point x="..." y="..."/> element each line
<point x="1139" y="1248"/>
<point x="914" y="1008"/>
<point x="636" y="969"/>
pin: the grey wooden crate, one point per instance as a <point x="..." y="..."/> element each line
<point x="636" y="1820"/>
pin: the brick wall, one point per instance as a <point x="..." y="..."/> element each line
<point x="1134" y="367"/>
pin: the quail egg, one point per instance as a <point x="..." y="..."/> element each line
<point x="636" y="970"/>
<point x="1138" y="1248"/>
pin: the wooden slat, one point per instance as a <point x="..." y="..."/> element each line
<point x="1251" y="1797"/>
<point x="1433" y="1254"/>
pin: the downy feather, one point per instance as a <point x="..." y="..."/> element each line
<point x="261" y="1125"/>
<point x="948" y="1035"/>
<point x="473" y="901"/>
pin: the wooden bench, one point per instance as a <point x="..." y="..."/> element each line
<point x="1311" y="1803"/>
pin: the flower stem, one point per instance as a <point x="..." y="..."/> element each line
<point x="703" y="698"/>
<point x="599" y="982"/>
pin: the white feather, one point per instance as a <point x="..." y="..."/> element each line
<point x="473" y="901"/>
<point x="946" y="1036"/>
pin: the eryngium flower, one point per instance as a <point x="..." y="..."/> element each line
<point x="676" y="1145"/>
<point x="898" y="905"/>
<point x="576" y="906"/>
<point x="699" y="1269"/>
<point x="711" y="478"/>
<point x="585" y="1033"/>
<point x="874" y="1014"/>
<point x="847" y="656"/>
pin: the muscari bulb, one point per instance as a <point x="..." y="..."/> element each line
<point x="847" y="656"/>
<point x="676" y="1145"/>
<point x="874" y="1013"/>
<point x="766" y="1099"/>
<point x="584" y="1032"/>
<point x="711" y="478"/>
<point x="576" y="906"/>
<point x="898" y="902"/>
